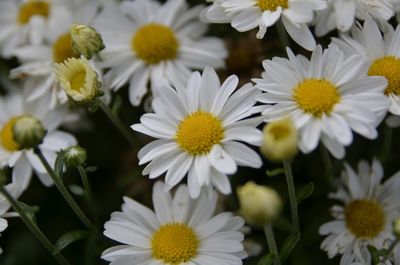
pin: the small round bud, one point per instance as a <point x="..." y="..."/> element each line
<point x="75" y="156"/>
<point x="86" y="40"/>
<point x="28" y="132"/>
<point x="279" y="140"/>
<point x="396" y="227"/>
<point x="259" y="205"/>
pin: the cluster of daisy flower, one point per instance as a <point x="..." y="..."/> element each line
<point x="68" y="56"/>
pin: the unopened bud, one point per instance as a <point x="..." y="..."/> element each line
<point x="28" y="132"/>
<point x="75" y="156"/>
<point x="86" y="40"/>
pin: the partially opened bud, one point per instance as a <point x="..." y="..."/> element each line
<point x="279" y="140"/>
<point x="28" y="132"/>
<point x="75" y="156"/>
<point x="259" y="205"/>
<point x="86" y="40"/>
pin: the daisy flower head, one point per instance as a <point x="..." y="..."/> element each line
<point x="342" y="14"/>
<point x="199" y="128"/>
<point x="25" y="161"/>
<point x="327" y="97"/>
<point x="249" y="14"/>
<point x="382" y="53"/>
<point x="366" y="214"/>
<point x="158" y="43"/>
<point x="180" y="231"/>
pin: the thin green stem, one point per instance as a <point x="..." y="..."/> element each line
<point x="67" y="196"/>
<point x="33" y="227"/>
<point x="88" y="192"/>
<point x="283" y="37"/>
<point x="387" y="143"/>
<point x="390" y="249"/>
<point x="327" y="162"/>
<point x="292" y="195"/>
<point x="269" y="234"/>
<point x="117" y="123"/>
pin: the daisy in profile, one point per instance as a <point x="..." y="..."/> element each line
<point x="25" y="22"/>
<point x="158" y="43"/>
<point x="15" y="191"/>
<point x="249" y="14"/>
<point x="383" y="55"/>
<point x="180" y="231"/>
<point x="201" y="129"/>
<point x="327" y="97"/>
<point x="24" y="161"/>
<point x="342" y="14"/>
<point x="365" y="216"/>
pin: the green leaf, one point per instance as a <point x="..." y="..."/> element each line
<point x="76" y="189"/>
<point x="116" y="105"/>
<point x="267" y="259"/>
<point x="288" y="246"/>
<point x="69" y="238"/>
<point x="275" y="172"/>
<point x="305" y="192"/>
<point x="29" y="210"/>
<point x="59" y="164"/>
<point x="90" y="169"/>
<point x="375" y="257"/>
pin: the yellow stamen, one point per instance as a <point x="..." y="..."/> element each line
<point x="174" y="243"/>
<point x="272" y="5"/>
<point x="33" y="8"/>
<point x="7" y="136"/>
<point x="316" y="96"/>
<point x="198" y="132"/>
<point x="62" y="49"/>
<point x="154" y="43"/>
<point x="389" y="67"/>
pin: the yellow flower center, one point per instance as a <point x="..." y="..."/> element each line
<point x="33" y="8"/>
<point x="272" y="5"/>
<point x="154" y="43"/>
<point x="174" y="243"/>
<point x="364" y="218"/>
<point x="316" y="96"/>
<point x="78" y="81"/>
<point x="280" y="131"/>
<point x="389" y="67"/>
<point x="198" y="132"/>
<point x="7" y="136"/>
<point x="62" y="49"/>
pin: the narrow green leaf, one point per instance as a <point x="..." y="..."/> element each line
<point x="69" y="238"/>
<point x="305" y="192"/>
<point x="289" y="245"/>
<point x="116" y="106"/>
<point x="267" y="259"/>
<point x="90" y="169"/>
<point x="29" y="210"/>
<point x="375" y="257"/>
<point x="59" y="164"/>
<point x="275" y="172"/>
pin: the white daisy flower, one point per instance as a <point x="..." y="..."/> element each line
<point x="23" y="161"/>
<point x="146" y="41"/>
<point x="383" y="55"/>
<point x="327" y="97"/>
<point x="367" y="216"/>
<point x="199" y="129"/>
<point x="25" y="22"/>
<point x="342" y="14"/>
<point x="245" y="15"/>
<point x="37" y="60"/>
<point x="14" y="191"/>
<point x="181" y="231"/>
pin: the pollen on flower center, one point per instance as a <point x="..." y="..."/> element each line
<point x="62" y="49"/>
<point x="154" y="43"/>
<point x="272" y="5"/>
<point x="198" y="132"/>
<point x="33" y="8"/>
<point x="364" y="218"/>
<point x="316" y="96"/>
<point x="174" y="243"/>
<point x="78" y="81"/>
<point x="389" y="67"/>
<point x="7" y="136"/>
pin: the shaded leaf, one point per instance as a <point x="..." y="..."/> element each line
<point x="305" y="192"/>
<point x="267" y="259"/>
<point x="275" y="172"/>
<point x="289" y="245"/>
<point x="69" y="238"/>
<point x="59" y="164"/>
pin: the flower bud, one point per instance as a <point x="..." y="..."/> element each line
<point x="75" y="156"/>
<point x="86" y="40"/>
<point x="396" y="227"/>
<point x="78" y="79"/>
<point x="28" y="132"/>
<point x="279" y="140"/>
<point x="259" y="205"/>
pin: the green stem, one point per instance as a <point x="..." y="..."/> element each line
<point x="387" y="143"/>
<point x="117" y="123"/>
<point x="292" y="195"/>
<point x="88" y="192"/>
<point x="283" y="37"/>
<point x="34" y="228"/>
<point x="269" y="234"/>
<point x="390" y="249"/>
<point x="67" y="196"/>
<point x="327" y="162"/>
